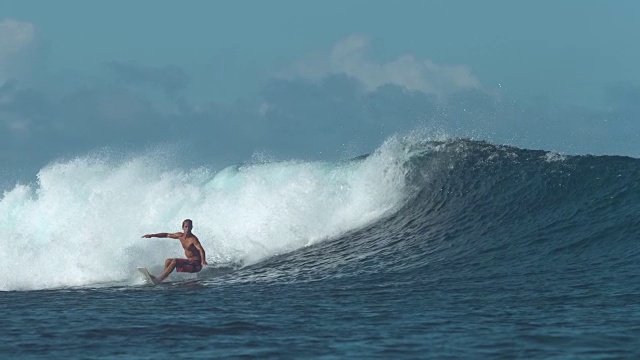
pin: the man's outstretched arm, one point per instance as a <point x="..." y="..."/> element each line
<point x="162" y="235"/>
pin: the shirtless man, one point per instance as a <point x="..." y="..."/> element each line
<point x="196" y="258"/>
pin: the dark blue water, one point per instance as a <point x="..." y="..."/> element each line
<point x="499" y="253"/>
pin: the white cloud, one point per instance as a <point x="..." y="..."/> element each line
<point x="349" y="56"/>
<point x="15" y="38"/>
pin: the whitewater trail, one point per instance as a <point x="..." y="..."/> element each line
<point x="83" y="218"/>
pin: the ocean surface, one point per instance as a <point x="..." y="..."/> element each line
<point x="421" y="249"/>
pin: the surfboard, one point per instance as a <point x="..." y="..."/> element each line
<point x="147" y="277"/>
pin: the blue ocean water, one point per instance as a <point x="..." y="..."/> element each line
<point x="422" y="249"/>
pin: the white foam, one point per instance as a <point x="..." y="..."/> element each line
<point x="81" y="223"/>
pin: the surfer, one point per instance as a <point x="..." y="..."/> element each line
<point x="194" y="251"/>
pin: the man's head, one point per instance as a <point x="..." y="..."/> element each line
<point x="187" y="225"/>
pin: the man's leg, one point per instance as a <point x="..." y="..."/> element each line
<point x="169" y="266"/>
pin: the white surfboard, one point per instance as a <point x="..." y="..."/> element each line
<point x="147" y="277"/>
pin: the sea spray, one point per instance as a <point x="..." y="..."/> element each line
<point x="80" y="223"/>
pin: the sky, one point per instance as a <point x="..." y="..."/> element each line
<point x="314" y="79"/>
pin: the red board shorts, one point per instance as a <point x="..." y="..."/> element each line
<point x="188" y="266"/>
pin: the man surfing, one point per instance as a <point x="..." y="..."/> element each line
<point x="196" y="258"/>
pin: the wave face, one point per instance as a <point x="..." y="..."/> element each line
<point x="496" y="214"/>
<point x="413" y="210"/>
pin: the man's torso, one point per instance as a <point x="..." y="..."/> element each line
<point x="188" y="244"/>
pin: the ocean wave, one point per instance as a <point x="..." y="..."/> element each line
<point x="412" y="207"/>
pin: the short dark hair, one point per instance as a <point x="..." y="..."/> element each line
<point x="187" y="221"/>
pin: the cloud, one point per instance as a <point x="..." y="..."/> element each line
<point x="20" y="109"/>
<point x="341" y="107"/>
<point x="171" y="79"/>
<point x="349" y="56"/>
<point x="15" y="38"/>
